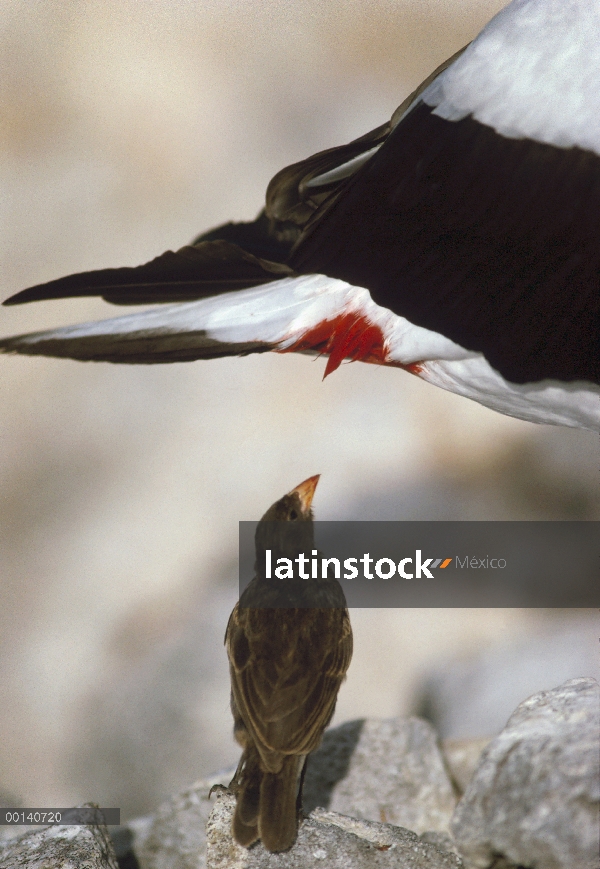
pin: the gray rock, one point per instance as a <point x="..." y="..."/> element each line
<point x="175" y="838"/>
<point x="326" y="840"/>
<point x="382" y="771"/>
<point x="462" y="758"/>
<point x="385" y="771"/>
<point x="534" y="798"/>
<point x="129" y="839"/>
<point x="330" y="764"/>
<point x="60" y="847"/>
<point x="442" y="841"/>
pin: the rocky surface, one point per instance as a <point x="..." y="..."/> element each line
<point x="175" y="837"/>
<point x="534" y="797"/>
<point x="381" y="794"/>
<point x="386" y="771"/>
<point x="530" y="798"/>
<point x="60" y="847"/>
<point x="325" y="839"/>
<point x="462" y="758"/>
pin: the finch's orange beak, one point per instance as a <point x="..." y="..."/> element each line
<point x="306" y="491"/>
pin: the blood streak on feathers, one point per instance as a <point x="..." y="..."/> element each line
<point x="347" y="336"/>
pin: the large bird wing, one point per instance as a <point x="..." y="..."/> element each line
<point x="236" y="255"/>
<point x="478" y="238"/>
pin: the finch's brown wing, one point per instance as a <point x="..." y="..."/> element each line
<point x="302" y="723"/>
<point x="286" y="700"/>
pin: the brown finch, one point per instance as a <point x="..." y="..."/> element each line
<point x="289" y="644"/>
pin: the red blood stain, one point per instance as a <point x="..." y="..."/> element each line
<point x="347" y="336"/>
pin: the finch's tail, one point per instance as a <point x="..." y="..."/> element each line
<point x="278" y="820"/>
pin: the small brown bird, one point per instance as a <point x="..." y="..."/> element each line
<point x="289" y="644"/>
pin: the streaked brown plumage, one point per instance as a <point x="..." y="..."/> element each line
<point x="286" y="664"/>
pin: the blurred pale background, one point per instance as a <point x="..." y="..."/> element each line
<point x="127" y="128"/>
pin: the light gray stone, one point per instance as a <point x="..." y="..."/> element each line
<point x="534" y="798"/>
<point x="140" y="829"/>
<point x="326" y="840"/>
<point x="175" y="838"/>
<point x="386" y="771"/>
<point x="330" y="763"/>
<point x="462" y="758"/>
<point x="382" y="771"/>
<point x="60" y="847"/>
<point x="442" y="841"/>
<point x="129" y="838"/>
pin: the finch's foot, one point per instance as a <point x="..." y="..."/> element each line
<point x="223" y="789"/>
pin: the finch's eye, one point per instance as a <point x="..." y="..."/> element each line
<point x="293" y="516"/>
